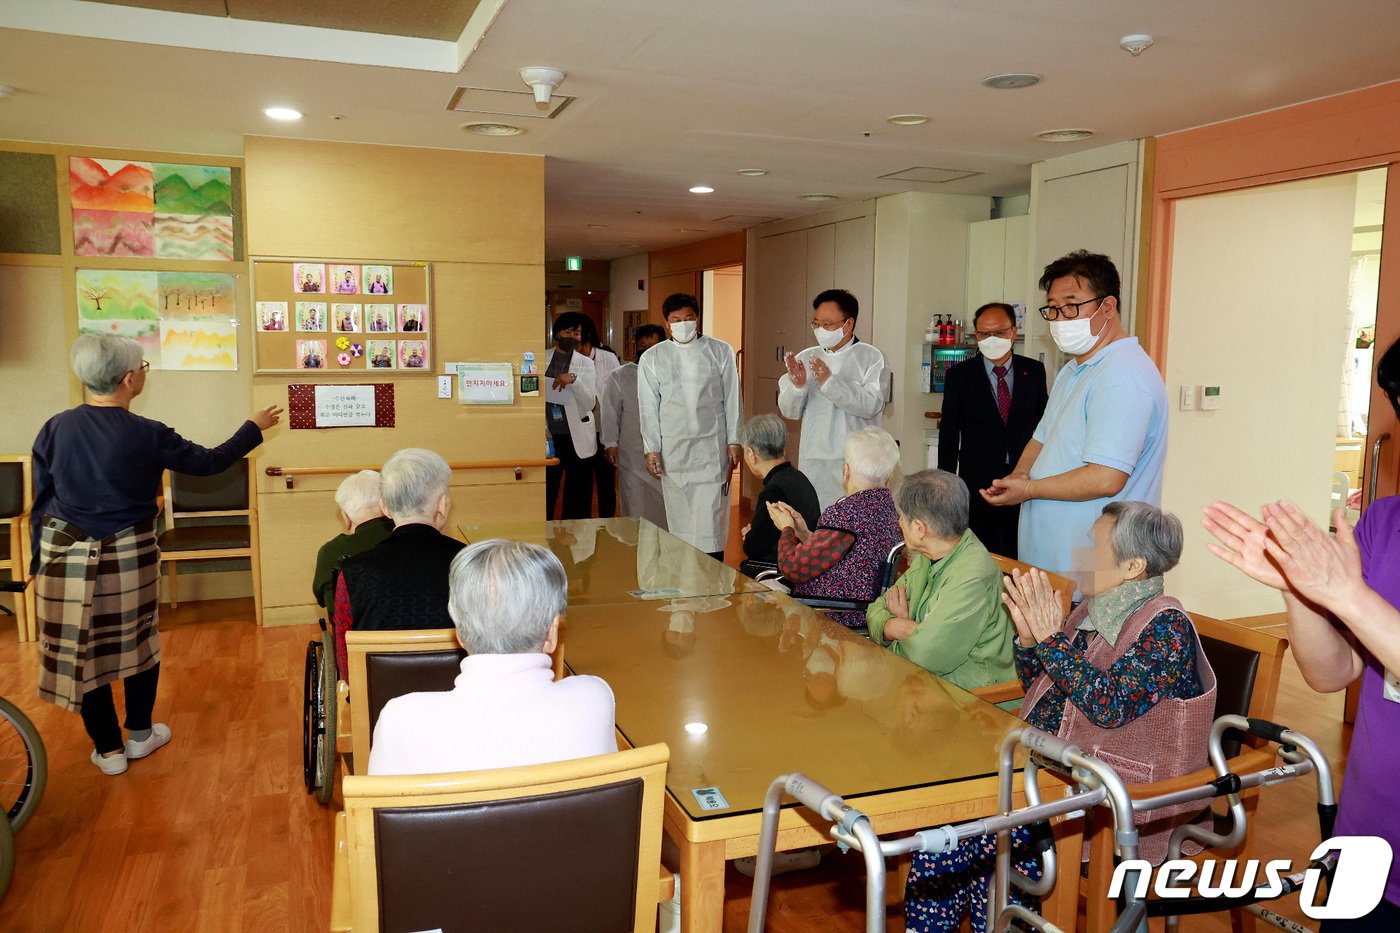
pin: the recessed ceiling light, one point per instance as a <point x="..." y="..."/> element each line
<point x="282" y="113"/>
<point x="752" y="172"/>
<point x="702" y="189"/>
<point x="697" y="728"/>
<point x="907" y="119"/>
<point x="492" y="129"/>
<point x="597" y="226"/>
<point x="819" y="197"/>
<point x="1010" y="80"/>
<point x="1064" y="136"/>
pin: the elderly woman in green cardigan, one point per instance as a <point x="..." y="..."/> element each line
<point x="945" y="612"/>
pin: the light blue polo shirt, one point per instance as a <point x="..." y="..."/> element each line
<point x="1111" y="410"/>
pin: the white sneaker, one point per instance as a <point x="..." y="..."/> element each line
<point x="112" y="766"/>
<point x="160" y="734"/>
<point x="783" y="862"/>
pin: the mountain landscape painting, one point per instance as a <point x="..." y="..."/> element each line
<point x="122" y="302"/>
<point x="113" y="205"/>
<point x="198" y="323"/>
<point x="193" y="211"/>
<point x="113" y="233"/>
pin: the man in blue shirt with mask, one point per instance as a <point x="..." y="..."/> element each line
<point x="1104" y="433"/>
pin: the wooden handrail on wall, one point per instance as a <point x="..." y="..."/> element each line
<point x="519" y="466"/>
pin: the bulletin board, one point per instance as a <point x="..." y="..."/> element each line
<point x="322" y="317"/>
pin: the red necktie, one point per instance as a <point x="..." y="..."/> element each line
<point x="1003" y="394"/>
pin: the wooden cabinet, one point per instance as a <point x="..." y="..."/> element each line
<point x="998" y="263"/>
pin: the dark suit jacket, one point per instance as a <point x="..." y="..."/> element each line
<point x="972" y="440"/>
<point x="784" y="483"/>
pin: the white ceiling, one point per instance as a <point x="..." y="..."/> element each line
<point x="671" y="94"/>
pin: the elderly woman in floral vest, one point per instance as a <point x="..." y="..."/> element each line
<point x="1123" y="677"/>
<point x="842" y="557"/>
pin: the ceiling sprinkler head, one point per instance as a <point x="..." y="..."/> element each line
<point x="1134" y="44"/>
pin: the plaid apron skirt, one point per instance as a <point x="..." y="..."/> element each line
<point x="97" y="607"/>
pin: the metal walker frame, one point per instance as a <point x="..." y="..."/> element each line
<point x="1093" y="783"/>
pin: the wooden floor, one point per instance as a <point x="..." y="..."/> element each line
<point x="215" y="831"/>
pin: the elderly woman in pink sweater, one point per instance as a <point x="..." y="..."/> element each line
<point x="505" y="708"/>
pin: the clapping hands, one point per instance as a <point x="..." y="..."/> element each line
<point x="1034" y="605"/>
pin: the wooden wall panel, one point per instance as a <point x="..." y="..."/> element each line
<point x="346" y="199"/>
<point x="725" y="250"/>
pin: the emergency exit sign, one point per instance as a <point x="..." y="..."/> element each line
<point x="574" y="263"/>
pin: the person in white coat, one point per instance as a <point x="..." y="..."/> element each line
<point x="688" y="394"/>
<point x="621" y="425"/>
<point x="835" y="388"/>
<point x="569" y="400"/>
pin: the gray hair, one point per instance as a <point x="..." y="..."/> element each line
<point x="411" y="483"/>
<point x="872" y="455"/>
<point x="1143" y="530"/>
<point x="505" y="595"/>
<point x="765" y="435"/>
<point x="937" y="498"/>
<point x="101" y="360"/>
<point x="358" y="493"/>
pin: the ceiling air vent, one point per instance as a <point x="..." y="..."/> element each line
<point x="506" y="103"/>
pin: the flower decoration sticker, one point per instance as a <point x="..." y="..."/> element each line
<point x="343" y="359"/>
<point x="343" y="343"/>
<point x="357" y="350"/>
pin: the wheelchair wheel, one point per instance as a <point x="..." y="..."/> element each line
<point x="24" y="766"/>
<point x="311" y="680"/>
<point x="326" y="752"/>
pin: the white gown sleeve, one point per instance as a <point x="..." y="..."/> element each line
<point x="610" y="412"/>
<point x="649" y="403"/>
<point x="792" y="401"/>
<point x="860" y="391"/>
<point x="733" y="404"/>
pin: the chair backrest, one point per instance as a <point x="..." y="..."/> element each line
<point x="1247" y="665"/>
<point x="228" y="492"/>
<point x="384" y="665"/>
<point x="465" y="851"/>
<point x="893" y="565"/>
<point x="1063" y="586"/>
<point x="16" y="492"/>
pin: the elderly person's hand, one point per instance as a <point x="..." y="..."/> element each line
<point x="1035" y="608"/>
<point x="901" y="626"/>
<point x="785" y="516"/>
<point x="266" y="417"/>
<point x="1322" y="568"/>
<point x="1243" y="543"/>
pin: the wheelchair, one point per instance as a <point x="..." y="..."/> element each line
<point x="318" y="751"/>
<point x="889" y="572"/>
<point x="1093" y="783"/>
<point x="24" y="772"/>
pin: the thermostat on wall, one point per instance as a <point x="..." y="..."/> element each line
<point x="1210" y="398"/>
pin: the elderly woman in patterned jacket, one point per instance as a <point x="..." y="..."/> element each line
<point x="842" y="557"/>
<point x="1123" y="677"/>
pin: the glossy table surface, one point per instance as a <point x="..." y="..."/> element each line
<point x="746" y="687"/>
<point x="621" y="560"/>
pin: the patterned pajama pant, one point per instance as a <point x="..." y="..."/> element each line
<point x="942" y="889"/>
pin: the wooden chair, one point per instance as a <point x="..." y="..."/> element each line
<point x="1064" y="588"/>
<point x="231" y="494"/>
<point x="571" y="845"/>
<point x="384" y="665"/>
<point x="16" y="501"/>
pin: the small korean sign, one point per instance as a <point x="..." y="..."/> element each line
<point x="485" y="383"/>
<point x="345" y="406"/>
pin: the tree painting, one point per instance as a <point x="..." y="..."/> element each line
<point x="96" y="294"/>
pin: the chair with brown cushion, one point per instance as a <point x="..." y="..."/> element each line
<point x="16" y="501"/>
<point x="1063" y="587"/>
<point x="572" y="845"/>
<point x="384" y="665"/>
<point x="230" y="495"/>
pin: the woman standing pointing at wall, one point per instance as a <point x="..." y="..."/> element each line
<point x="97" y="474"/>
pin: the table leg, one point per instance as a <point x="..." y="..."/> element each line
<point x="702" y="887"/>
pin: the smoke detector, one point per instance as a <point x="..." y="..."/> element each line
<point x="1135" y="44"/>
<point x="543" y="80"/>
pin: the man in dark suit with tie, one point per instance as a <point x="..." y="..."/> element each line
<point x="991" y="405"/>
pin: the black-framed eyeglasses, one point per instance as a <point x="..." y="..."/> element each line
<point x="145" y="366"/>
<point x="1067" y="311"/>
<point x="828" y="325"/>
<point x="1003" y="332"/>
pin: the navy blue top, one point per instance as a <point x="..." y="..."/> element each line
<point x="100" y="468"/>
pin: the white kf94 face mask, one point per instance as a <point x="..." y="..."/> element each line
<point x="828" y="339"/>
<point x="994" y="348"/>
<point x="683" y="331"/>
<point x="1076" y="336"/>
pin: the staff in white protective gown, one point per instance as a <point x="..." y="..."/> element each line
<point x="688" y="393"/>
<point x="621" y="425"/>
<point x="836" y="387"/>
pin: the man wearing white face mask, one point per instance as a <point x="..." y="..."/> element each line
<point x="1104" y="433"/>
<point x="688" y="399"/>
<point x="836" y="388"/>
<point x="991" y="405"/>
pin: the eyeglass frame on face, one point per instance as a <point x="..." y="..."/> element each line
<point x="839" y="324"/>
<point x="999" y="332"/>
<point x="1076" y="305"/>
<point x="144" y="367"/>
